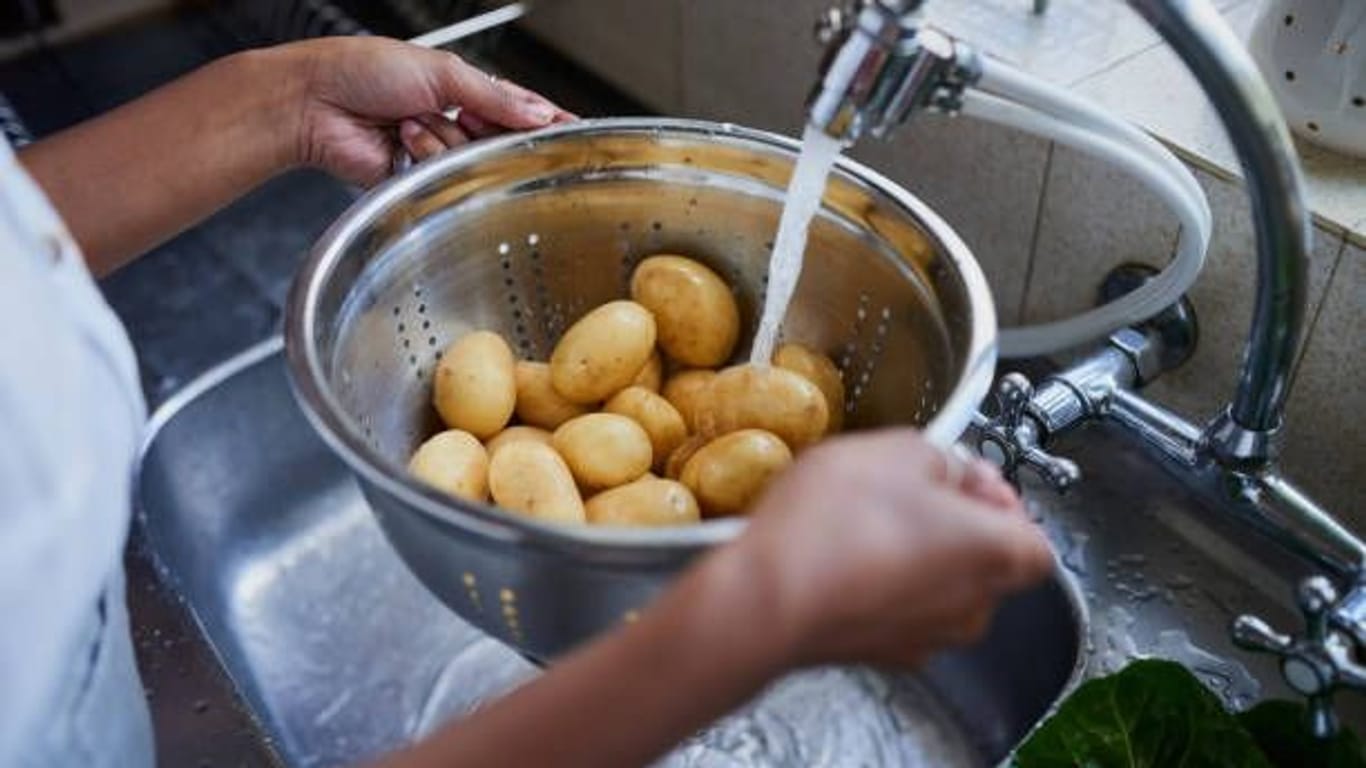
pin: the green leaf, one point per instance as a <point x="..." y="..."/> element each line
<point x="1151" y="714"/>
<point x="1281" y="729"/>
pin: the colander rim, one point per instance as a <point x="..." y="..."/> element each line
<point x="344" y="436"/>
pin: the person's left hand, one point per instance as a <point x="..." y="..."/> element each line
<point x="365" y="98"/>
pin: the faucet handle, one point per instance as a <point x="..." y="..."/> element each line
<point x="1010" y="439"/>
<point x="1315" y="665"/>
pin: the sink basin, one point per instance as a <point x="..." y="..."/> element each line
<point x="341" y="654"/>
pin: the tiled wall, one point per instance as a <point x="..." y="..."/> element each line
<point x="1046" y="222"/>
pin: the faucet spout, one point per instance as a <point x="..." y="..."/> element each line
<point x="1244" y="435"/>
<point x="881" y="66"/>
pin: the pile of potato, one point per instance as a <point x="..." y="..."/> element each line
<point x="600" y="421"/>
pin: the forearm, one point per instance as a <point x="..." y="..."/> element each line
<point x="628" y="697"/>
<point x="142" y="173"/>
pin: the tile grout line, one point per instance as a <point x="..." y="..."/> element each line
<point x="1313" y="324"/>
<point x="1160" y="43"/>
<point x="1035" y="235"/>
<point x="1109" y="67"/>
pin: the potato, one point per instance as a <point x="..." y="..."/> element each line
<point x="819" y="370"/>
<point x="763" y="397"/>
<point x="475" y="388"/>
<point x="648" y="501"/>
<point x="601" y="354"/>
<point x="455" y="463"/>
<point x="685" y="391"/>
<point x="538" y="404"/>
<point x="728" y="473"/>
<point x="673" y="466"/>
<point x="662" y="422"/>
<point x="516" y="434"/>
<point x="530" y="477"/>
<point x="652" y="375"/>
<point x="696" y="312"/>
<point x="604" y="450"/>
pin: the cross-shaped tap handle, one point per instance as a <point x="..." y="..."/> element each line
<point x="1315" y="665"/>
<point x="1010" y="439"/>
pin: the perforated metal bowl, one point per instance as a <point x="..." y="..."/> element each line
<point x="522" y="235"/>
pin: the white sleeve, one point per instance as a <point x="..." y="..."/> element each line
<point x="69" y="419"/>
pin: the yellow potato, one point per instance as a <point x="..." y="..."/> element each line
<point x="728" y="473"/>
<point x="516" y="434"/>
<point x="604" y="450"/>
<point x="475" y="388"/>
<point x="601" y="354"/>
<point x="530" y="477"/>
<point x="538" y="404"/>
<point x="699" y="321"/>
<point x="648" y="501"/>
<point x="662" y="422"/>
<point x="673" y="467"/>
<point x="763" y="397"/>
<point x="453" y="462"/>
<point x="819" y="370"/>
<point x="652" y="375"/>
<point x="685" y="391"/>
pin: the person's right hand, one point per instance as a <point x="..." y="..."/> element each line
<point x="878" y="548"/>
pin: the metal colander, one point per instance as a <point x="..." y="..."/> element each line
<point x="524" y="234"/>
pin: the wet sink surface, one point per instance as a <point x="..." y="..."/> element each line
<point x="342" y="655"/>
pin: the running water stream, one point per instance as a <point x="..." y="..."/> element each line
<point x="804" y="193"/>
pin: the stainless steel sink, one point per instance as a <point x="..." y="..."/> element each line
<point x="342" y="655"/>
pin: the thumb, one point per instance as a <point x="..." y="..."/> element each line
<point x="472" y="89"/>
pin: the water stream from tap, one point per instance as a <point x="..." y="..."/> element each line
<point x="804" y="193"/>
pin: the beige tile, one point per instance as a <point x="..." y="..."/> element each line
<point x="1155" y="90"/>
<point x="1336" y="185"/>
<point x="750" y="61"/>
<point x="1074" y="39"/>
<point x="984" y="180"/>
<point x="1325" y="435"/>
<point x="1094" y="217"/>
<point x="1223" y="304"/>
<point x="632" y="44"/>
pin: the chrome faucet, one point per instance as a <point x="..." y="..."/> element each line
<point x="884" y="64"/>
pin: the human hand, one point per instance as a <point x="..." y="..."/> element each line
<point x="364" y="98"/>
<point x="878" y="548"/>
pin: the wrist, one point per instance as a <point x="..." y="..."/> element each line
<point x="740" y="619"/>
<point x="275" y="106"/>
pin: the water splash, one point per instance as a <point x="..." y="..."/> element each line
<point x="804" y="193"/>
<point x="831" y="717"/>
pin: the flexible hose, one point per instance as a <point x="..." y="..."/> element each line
<point x="1036" y="107"/>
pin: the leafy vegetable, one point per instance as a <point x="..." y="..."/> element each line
<point x="1151" y="714"/>
<point x="1156" y="714"/>
<point x="1281" y="729"/>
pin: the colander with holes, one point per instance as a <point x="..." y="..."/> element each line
<point x="523" y="234"/>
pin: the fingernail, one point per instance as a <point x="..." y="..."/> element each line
<point x="539" y="111"/>
<point x="408" y="130"/>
